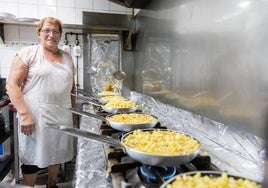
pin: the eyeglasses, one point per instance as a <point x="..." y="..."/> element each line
<point x="48" y="31"/>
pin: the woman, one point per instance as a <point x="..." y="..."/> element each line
<point x="40" y="82"/>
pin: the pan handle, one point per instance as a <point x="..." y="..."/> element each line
<point x="86" y="99"/>
<point x="88" y="135"/>
<point x="81" y="91"/>
<point x="87" y="114"/>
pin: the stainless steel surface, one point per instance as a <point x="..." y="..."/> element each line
<point x="16" y="148"/>
<point x="218" y="49"/>
<point x="149" y="4"/>
<point x="97" y="22"/>
<point x="131" y="3"/>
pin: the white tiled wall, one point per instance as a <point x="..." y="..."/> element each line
<point x="17" y="36"/>
<point x="68" y="11"/>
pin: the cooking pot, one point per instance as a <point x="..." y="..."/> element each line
<point x="125" y="127"/>
<point x="143" y="157"/>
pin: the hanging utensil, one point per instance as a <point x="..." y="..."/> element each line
<point x="119" y="74"/>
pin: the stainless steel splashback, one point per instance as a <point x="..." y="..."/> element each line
<point x="208" y="57"/>
<point x="96" y="22"/>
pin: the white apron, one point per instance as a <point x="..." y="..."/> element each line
<point x="49" y="87"/>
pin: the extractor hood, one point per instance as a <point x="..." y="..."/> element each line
<point x="148" y="4"/>
<point x="139" y="4"/>
<point x="107" y="22"/>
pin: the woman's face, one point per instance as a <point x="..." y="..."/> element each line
<point x="50" y="36"/>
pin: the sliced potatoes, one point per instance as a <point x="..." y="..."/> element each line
<point x="162" y="142"/>
<point x="120" y="104"/>
<point x="132" y="118"/>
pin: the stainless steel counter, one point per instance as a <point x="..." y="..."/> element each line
<point x="237" y="152"/>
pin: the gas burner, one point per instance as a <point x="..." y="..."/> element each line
<point x="156" y="174"/>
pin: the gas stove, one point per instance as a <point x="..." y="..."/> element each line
<point x="126" y="172"/>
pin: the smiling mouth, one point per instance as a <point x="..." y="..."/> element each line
<point x="52" y="41"/>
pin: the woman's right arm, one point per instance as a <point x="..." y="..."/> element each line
<point x="18" y="73"/>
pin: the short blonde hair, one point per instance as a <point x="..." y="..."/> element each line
<point x="50" y="20"/>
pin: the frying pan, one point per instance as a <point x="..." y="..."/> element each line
<point x="105" y="108"/>
<point x="104" y="100"/>
<point x="125" y="127"/>
<point x="86" y="96"/>
<point x="203" y="173"/>
<point x="143" y="157"/>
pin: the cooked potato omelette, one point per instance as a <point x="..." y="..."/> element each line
<point x="120" y="104"/>
<point x="223" y="181"/>
<point x="161" y="142"/>
<point x="132" y="118"/>
<point x="112" y="98"/>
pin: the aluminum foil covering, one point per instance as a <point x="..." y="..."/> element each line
<point x="90" y="162"/>
<point x="232" y="150"/>
<point x="235" y="151"/>
<point x="104" y="59"/>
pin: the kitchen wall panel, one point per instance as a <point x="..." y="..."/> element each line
<point x="46" y="2"/>
<point x="217" y="63"/>
<point x="66" y="3"/>
<point x="101" y="5"/>
<point x="69" y="11"/>
<point x="46" y="10"/>
<point x="66" y="18"/>
<point x="84" y="4"/>
<point x="27" y="11"/>
<point x="9" y="7"/>
<point x="27" y="2"/>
